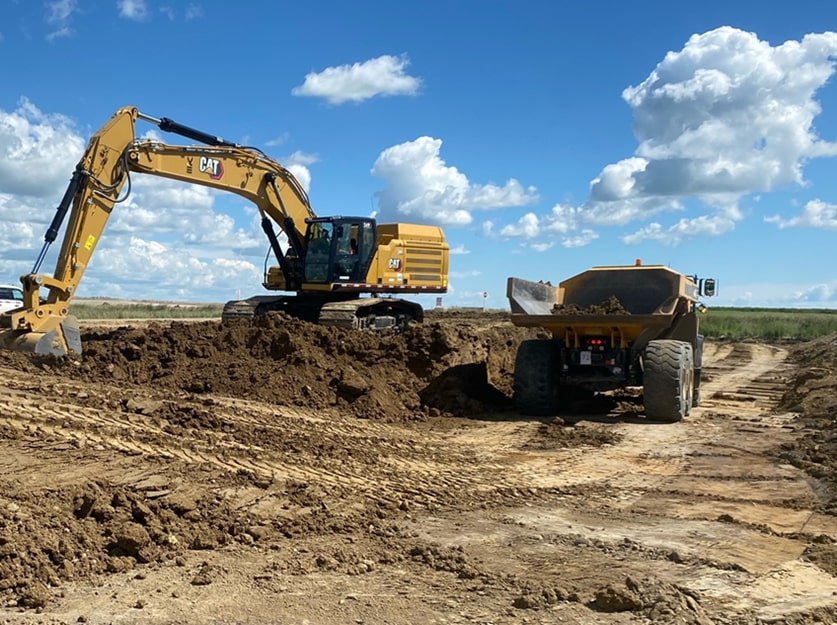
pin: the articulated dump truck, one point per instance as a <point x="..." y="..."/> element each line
<point x="612" y="327"/>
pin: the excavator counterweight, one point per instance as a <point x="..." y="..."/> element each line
<point x="328" y="265"/>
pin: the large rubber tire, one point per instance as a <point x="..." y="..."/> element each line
<point x="668" y="379"/>
<point x="536" y="378"/>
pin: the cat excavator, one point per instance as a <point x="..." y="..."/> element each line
<point x="328" y="262"/>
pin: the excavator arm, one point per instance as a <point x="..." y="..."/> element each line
<point x="102" y="179"/>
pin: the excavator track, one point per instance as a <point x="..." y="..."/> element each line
<point x="368" y="313"/>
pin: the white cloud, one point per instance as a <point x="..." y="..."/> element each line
<point x="193" y="11"/>
<point x="384" y="75"/>
<point x="816" y="214"/>
<point x="168" y="12"/>
<point x="726" y="116"/>
<point x="528" y="226"/>
<point x="459" y="250"/>
<point x="167" y="208"/>
<point x="167" y="234"/>
<point x="711" y="225"/>
<point x="542" y="247"/>
<point x="298" y="164"/>
<point x="421" y="185"/>
<point x="277" y="141"/>
<point x="136" y="10"/>
<point x="585" y="237"/>
<point x="488" y="227"/>
<point x="38" y="152"/>
<point x="147" y="268"/>
<point x="58" y="17"/>
<point x="818" y="293"/>
<point x="562" y="219"/>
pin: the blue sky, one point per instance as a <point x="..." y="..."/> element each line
<point x="546" y="137"/>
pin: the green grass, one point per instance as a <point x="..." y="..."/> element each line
<point x="145" y="311"/>
<point x="768" y="323"/>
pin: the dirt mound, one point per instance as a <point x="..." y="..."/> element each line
<point x="457" y="369"/>
<point x="812" y="395"/>
<point x="54" y="536"/>
<point x="610" y="306"/>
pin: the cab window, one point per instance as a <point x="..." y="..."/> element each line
<point x="11" y="293"/>
<point x="319" y="237"/>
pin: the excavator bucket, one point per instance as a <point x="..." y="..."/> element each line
<point x="62" y="341"/>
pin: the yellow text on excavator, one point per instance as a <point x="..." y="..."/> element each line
<point x="328" y="264"/>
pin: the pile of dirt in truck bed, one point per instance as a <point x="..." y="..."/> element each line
<point x="610" y="306"/>
<point x="812" y="395"/>
<point x="433" y="368"/>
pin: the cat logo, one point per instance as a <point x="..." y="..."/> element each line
<point x="395" y="263"/>
<point x="212" y="166"/>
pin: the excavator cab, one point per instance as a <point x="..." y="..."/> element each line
<point x="339" y="249"/>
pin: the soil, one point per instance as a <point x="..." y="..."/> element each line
<point x="610" y="306"/>
<point x="279" y="472"/>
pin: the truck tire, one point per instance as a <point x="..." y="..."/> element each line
<point x="536" y="378"/>
<point x="668" y="380"/>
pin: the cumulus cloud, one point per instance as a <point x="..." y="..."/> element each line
<point x="816" y="214"/>
<point x="38" y="152"/>
<point x="58" y="17"/>
<point x="726" y="116"/>
<point x="543" y="246"/>
<point x="585" y="237"/>
<point x="527" y="226"/>
<point x="136" y="10"/>
<point x="459" y="250"/>
<point x="167" y="234"/>
<point x="168" y="268"/>
<point x="713" y="225"/>
<point x="821" y="293"/>
<point x="385" y="75"/>
<point x="298" y="164"/>
<point x="421" y="185"/>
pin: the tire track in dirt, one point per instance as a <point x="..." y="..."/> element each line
<point x="703" y="499"/>
<point x="272" y="443"/>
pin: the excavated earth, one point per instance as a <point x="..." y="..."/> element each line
<point x="279" y="472"/>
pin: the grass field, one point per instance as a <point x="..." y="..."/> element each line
<point x="146" y="311"/>
<point x="768" y="323"/>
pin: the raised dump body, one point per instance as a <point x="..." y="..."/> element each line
<point x="611" y="327"/>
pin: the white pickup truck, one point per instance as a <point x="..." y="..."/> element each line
<point x="11" y="297"/>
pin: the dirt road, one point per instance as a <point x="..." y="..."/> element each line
<point x="145" y="500"/>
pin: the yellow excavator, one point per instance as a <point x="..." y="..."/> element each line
<point x="329" y="262"/>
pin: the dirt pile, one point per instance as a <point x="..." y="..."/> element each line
<point x="610" y="306"/>
<point x="60" y="535"/>
<point x="812" y="395"/>
<point x="457" y="369"/>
